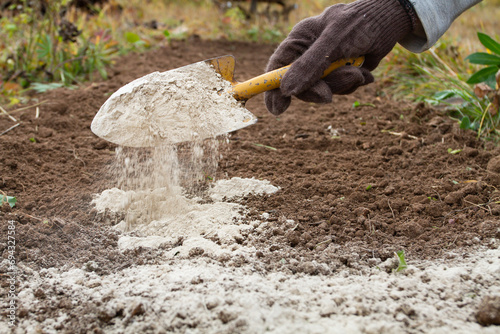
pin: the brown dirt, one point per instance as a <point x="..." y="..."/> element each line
<point x="372" y="179"/>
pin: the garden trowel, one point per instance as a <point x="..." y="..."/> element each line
<point x="115" y="114"/>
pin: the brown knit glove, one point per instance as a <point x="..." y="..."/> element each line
<point x="367" y="28"/>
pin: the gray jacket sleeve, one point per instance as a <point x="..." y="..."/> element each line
<point x="436" y="17"/>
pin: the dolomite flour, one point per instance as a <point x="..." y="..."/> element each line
<point x="146" y="118"/>
<point x="184" y="104"/>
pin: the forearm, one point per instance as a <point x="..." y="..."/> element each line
<point x="435" y="18"/>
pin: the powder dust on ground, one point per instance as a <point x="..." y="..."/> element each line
<point x="355" y="186"/>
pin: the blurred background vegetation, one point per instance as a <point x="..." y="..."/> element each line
<point x="46" y="44"/>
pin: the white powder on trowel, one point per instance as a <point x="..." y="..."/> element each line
<point x="184" y="104"/>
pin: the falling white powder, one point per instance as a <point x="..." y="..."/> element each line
<point x="189" y="103"/>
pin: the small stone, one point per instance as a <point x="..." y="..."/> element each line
<point x="227" y="316"/>
<point x="137" y="310"/>
<point x="224" y="257"/>
<point x="212" y="302"/>
<point x="389" y="190"/>
<point x="105" y="315"/>
<point x="274" y="247"/>
<point x="494" y="165"/>
<point x="489" y="311"/>
<point x="389" y="265"/>
<point x="454" y="197"/>
<point x="196" y="251"/>
<point x="91" y="266"/>
<point x="394" y="151"/>
<point x="328" y="309"/>
<point x="181" y="315"/>
<point x="196" y="280"/>
<point x="473" y="199"/>
<point x="40" y="294"/>
<point x="22" y="313"/>
<point x="241" y="323"/>
<point x="308" y="268"/>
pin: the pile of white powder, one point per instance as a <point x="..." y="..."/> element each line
<point x="177" y="216"/>
<point x="189" y="103"/>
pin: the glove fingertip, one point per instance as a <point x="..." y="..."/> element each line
<point x="276" y="103"/>
<point x="319" y="93"/>
<point x="369" y="78"/>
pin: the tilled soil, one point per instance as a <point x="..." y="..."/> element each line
<point x="371" y="180"/>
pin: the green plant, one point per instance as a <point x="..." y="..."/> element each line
<point x="453" y="152"/>
<point x="265" y="146"/>
<point x="490" y="60"/>
<point x="402" y="262"/>
<point x="45" y="47"/>
<point x="7" y="199"/>
<point x="358" y="104"/>
<point x="473" y="107"/>
<point x="43" y="87"/>
<point x="135" y="39"/>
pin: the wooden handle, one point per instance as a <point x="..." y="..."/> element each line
<point x="271" y="80"/>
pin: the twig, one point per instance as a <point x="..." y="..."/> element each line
<point x="76" y="156"/>
<point x="324" y="242"/>
<point x="317" y="223"/>
<point x="480" y="206"/>
<point x="392" y="211"/>
<point x="8" y="115"/>
<point x="12" y="127"/>
<point x="39" y="219"/>
<point x="437" y="194"/>
<point x="28" y="107"/>
<point x="37" y="114"/>
<point x="400" y="134"/>
<point x="453" y="241"/>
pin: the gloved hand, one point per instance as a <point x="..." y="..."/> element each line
<point x="369" y="28"/>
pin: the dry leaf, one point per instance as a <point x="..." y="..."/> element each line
<point x="494" y="104"/>
<point x="481" y="90"/>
